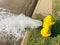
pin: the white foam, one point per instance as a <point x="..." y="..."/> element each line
<point x="14" y="26"/>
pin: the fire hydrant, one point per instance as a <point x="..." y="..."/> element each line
<point x="48" y="21"/>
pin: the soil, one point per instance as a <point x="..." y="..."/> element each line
<point x="44" y="7"/>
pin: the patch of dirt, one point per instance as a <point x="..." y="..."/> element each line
<point x="44" y="7"/>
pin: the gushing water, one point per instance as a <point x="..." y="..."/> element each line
<point x="12" y="26"/>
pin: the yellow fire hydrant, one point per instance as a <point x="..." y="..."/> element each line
<point x="47" y="24"/>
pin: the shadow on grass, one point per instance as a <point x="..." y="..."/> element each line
<point x="56" y="28"/>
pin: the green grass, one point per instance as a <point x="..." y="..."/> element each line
<point x="34" y="37"/>
<point x="56" y="7"/>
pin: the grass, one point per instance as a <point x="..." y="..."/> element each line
<point x="56" y="7"/>
<point x="34" y="37"/>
